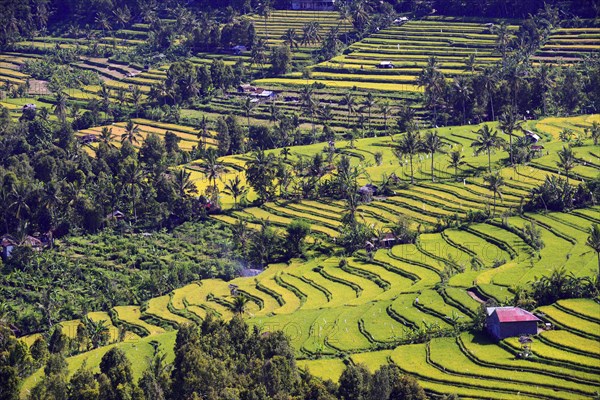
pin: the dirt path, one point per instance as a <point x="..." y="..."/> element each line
<point x="475" y="296"/>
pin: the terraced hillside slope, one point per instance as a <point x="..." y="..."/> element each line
<point x="412" y="304"/>
<point x="408" y="47"/>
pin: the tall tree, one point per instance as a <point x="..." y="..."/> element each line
<point x="60" y="106"/>
<point x="264" y="10"/>
<point x="350" y="103"/>
<point x="385" y="109"/>
<point x="593" y="241"/>
<point x="133" y="179"/>
<point x="566" y="160"/>
<point x="309" y="104"/>
<point x="260" y="173"/>
<point x="290" y="37"/>
<point x="509" y="123"/>
<point x="235" y="189"/>
<point x="495" y="183"/>
<point x="212" y="168"/>
<point x="132" y="133"/>
<point x="369" y="103"/>
<point x="546" y="81"/>
<point x="490" y="80"/>
<point x="432" y="144"/>
<point x="486" y="141"/>
<point x="410" y="144"/>
<point x="247" y="107"/>
<point x="502" y="40"/>
<point x="456" y="160"/>
<point x="462" y="88"/>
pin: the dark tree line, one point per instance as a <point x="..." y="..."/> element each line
<point x="215" y="360"/>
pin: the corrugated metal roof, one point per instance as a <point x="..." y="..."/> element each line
<point x="514" y="314"/>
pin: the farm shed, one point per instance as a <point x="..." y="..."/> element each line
<point x="503" y="322"/>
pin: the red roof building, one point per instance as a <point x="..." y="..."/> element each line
<point x="503" y="322"/>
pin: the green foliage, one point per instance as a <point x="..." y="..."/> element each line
<point x="296" y="233"/>
<point x="281" y="58"/>
<point x="137" y="267"/>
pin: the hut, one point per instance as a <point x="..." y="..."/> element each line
<point x="503" y="322"/>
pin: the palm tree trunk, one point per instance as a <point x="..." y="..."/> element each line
<point x="492" y="106"/>
<point x="511" y="149"/>
<point x="489" y="160"/>
<point x="544" y="102"/>
<point x="494" y="213"/>
<point x="248" y="119"/>
<point x="412" y="176"/>
<point x="432" y="172"/>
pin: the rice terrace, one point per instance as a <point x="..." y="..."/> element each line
<point x="299" y="199"/>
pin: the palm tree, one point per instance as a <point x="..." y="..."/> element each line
<point x="103" y="22"/>
<point x="368" y="103"/>
<point x="502" y="40"/>
<point x="285" y="152"/>
<point x="202" y="134"/>
<point x="136" y="98"/>
<point x="385" y="109"/>
<point x="410" y="144"/>
<point x="123" y="15"/>
<point x="470" y="63"/>
<point x="325" y="113"/>
<point x="544" y="75"/>
<point x="133" y="176"/>
<point x="132" y="133"/>
<point x="247" y="106"/>
<point x="566" y="160"/>
<point x="489" y="80"/>
<point x="311" y="33"/>
<point x="106" y="136"/>
<point x="60" y="107"/>
<point x="212" y="168"/>
<point x="260" y="173"/>
<point x="495" y="183"/>
<point x="183" y="183"/>
<point x="433" y="144"/>
<point x="433" y="81"/>
<point x="274" y="112"/>
<point x="264" y="10"/>
<point x="239" y="304"/>
<point x="487" y="140"/>
<point x="343" y="8"/>
<point x="309" y="105"/>
<point x="593" y="241"/>
<point x="290" y="37"/>
<point x="19" y="195"/>
<point x="456" y="161"/>
<point x="258" y="52"/>
<point x="593" y="132"/>
<point x="97" y="332"/>
<point x="235" y="189"/>
<point x="348" y="101"/>
<point x="361" y="15"/>
<point x="510" y="122"/>
<point x="104" y="94"/>
<point x="463" y="90"/>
